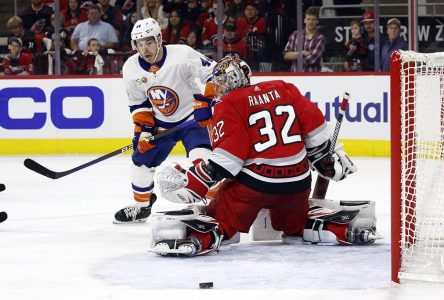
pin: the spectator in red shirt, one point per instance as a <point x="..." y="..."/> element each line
<point x="16" y="62"/>
<point x="250" y="22"/>
<point x="233" y="44"/>
<point x="176" y="32"/>
<point x="209" y="31"/>
<point x="74" y="15"/>
<point x="204" y="14"/>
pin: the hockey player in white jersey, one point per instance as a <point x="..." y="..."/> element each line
<point x="160" y="82"/>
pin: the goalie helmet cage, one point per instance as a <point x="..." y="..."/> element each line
<point x="417" y="166"/>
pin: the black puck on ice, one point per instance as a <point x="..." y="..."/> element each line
<point x="3" y="216"/>
<point x="2" y="187"/>
<point x="205" y="285"/>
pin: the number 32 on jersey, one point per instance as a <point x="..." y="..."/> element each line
<point x="266" y="124"/>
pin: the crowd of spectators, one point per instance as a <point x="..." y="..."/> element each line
<point x="95" y="35"/>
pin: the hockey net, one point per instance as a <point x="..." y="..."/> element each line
<point x="417" y="141"/>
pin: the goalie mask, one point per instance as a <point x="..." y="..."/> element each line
<point x="229" y="74"/>
<point x="141" y="36"/>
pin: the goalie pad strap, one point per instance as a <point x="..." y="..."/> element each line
<point x="202" y="226"/>
<point x="328" y="226"/>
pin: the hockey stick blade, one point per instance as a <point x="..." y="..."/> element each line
<point x="38" y="168"/>
<point x="321" y="186"/>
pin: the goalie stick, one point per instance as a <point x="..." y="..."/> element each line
<point x="321" y="186"/>
<point x="42" y="170"/>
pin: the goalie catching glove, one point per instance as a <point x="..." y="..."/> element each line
<point x="336" y="167"/>
<point x="185" y="185"/>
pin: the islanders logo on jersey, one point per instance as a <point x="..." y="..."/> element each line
<point x="164" y="99"/>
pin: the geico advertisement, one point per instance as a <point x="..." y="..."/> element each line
<point x="98" y="107"/>
<point x="367" y="116"/>
<point x="64" y="108"/>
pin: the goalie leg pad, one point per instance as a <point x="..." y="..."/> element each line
<point x="184" y="233"/>
<point x="165" y="225"/>
<point x="365" y="218"/>
<point x="206" y="229"/>
<point x="326" y="226"/>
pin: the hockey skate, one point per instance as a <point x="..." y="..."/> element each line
<point x="362" y="236"/>
<point x="133" y="213"/>
<point x="179" y="247"/>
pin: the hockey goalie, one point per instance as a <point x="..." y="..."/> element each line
<point x="265" y="139"/>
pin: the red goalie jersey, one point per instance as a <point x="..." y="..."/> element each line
<point x="260" y="135"/>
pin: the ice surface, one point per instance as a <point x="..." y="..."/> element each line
<point x="59" y="243"/>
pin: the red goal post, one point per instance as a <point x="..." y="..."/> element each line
<point x="417" y="166"/>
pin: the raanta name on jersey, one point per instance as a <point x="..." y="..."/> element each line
<point x="263" y="98"/>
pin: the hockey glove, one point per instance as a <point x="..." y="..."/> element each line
<point x="184" y="185"/>
<point x="144" y="143"/>
<point x="336" y="167"/>
<point x="202" y="110"/>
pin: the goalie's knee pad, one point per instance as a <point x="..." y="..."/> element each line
<point x="166" y="225"/>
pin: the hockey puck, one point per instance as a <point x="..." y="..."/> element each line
<point x="3" y="216"/>
<point x="2" y="187"/>
<point x="205" y="285"/>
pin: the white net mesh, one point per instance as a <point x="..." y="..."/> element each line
<point x="422" y="166"/>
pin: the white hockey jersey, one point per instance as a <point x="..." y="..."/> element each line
<point x="169" y="85"/>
